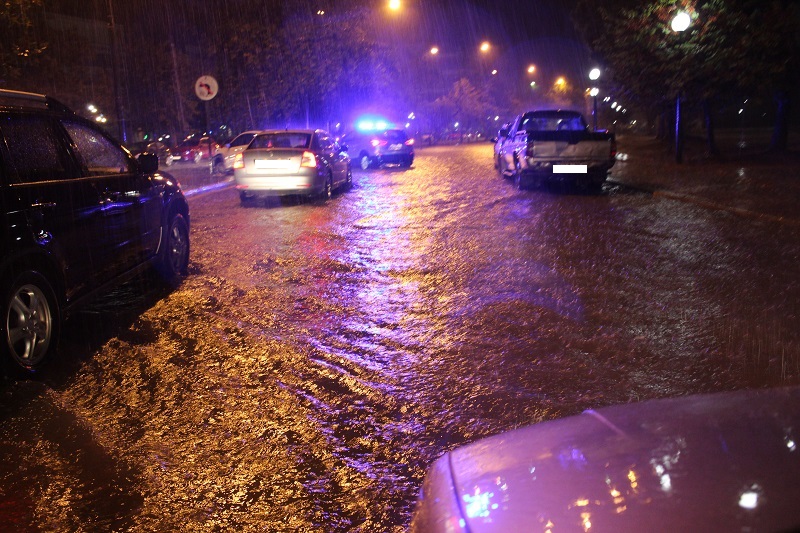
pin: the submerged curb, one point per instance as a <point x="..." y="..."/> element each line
<point x="659" y="193"/>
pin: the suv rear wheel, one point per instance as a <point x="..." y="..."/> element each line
<point x="174" y="260"/>
<point x="30" y="322"/>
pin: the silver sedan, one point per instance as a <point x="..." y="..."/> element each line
<point x="291" y="162"/>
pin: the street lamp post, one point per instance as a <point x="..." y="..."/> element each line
<point x="594" y="75"/>
<point x="680" y="23"/>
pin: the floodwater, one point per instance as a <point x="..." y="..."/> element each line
<point x="320" y="355"/>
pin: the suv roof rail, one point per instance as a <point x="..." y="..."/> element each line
<point x="25" y="99"/>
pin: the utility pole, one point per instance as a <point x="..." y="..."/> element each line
<point x="123" y="135"/>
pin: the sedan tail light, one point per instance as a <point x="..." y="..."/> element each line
<point x="238" y="161"/>
<point x="309" y="160"/>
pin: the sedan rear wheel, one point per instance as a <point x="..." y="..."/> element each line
<point x="30" y="322"/>
<point x="219" y="166"/>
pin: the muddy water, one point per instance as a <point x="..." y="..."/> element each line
<point x="321" y="355"/>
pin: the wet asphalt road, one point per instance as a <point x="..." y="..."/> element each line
<point x="320" y="355"/>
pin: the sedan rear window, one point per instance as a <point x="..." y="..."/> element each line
<point x="282" y="140"/>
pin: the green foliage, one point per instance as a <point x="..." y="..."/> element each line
<point x="20" y="41"/>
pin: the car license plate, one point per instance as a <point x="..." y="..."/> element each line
<point x="271" y="163"/>
<point x="395" y="147"/>
<point x="569" y="169"/>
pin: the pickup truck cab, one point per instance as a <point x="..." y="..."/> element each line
<point x="556" y="145"/>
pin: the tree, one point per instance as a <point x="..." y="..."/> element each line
<point x="20" y="40"/>
<point x="467" y="104"/>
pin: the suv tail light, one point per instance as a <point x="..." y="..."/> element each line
<point x="409" y="142"/>
<point x="309" y="160"/>
<point x="378" y="142"/>
<point x="238" y="161"/>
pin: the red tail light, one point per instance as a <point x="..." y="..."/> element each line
<point x="378" y="142"/>
<point x="309" y="160"/>
<point x="409" y="142"/>
<point x="613" y="149"/>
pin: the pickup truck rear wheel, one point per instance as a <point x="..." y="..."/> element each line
<point x="521" y="182"/>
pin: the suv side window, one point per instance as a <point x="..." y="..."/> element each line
<point x="98" y="154"/>
<point x="35" y="150"/>
<point x="325" y="143"/>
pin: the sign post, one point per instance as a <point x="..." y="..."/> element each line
<point x="206" y="88"/>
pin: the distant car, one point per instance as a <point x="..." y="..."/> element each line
<point x="289" y="162"/>
<point x="196" y="148"/>
<point x="716" y="462"/>
<point x="161" y="150"/>
<point x="78" y="215"/>
<point x="378" y="148"/>
<point x="223" y="159"/>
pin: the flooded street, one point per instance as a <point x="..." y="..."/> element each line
<point x="320" y="355"/>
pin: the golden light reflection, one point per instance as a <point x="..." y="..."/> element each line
<point x="586" y="521"/>
<point x="632" y="478"/>
<point x="582" y="502"/>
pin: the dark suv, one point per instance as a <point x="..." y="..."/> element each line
<point x="78" y="215"/>
<point x="376" y="148"/>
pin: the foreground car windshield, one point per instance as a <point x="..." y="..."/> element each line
<point x="282" y="140"/>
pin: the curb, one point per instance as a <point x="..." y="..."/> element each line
<point x="708" y="204"/>
<point x="745" y="213"/>
<point x="208" y="188"/>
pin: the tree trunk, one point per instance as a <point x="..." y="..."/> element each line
<point x="708" y="118"/>
<point x="663" y="121"/>
<point x="780" y="133"/>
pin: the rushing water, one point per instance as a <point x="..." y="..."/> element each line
<point x="321" y="355"/>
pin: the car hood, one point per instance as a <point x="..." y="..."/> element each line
<point x="720" y="462"/>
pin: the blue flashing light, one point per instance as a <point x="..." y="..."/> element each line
<point x="372" y="123"/>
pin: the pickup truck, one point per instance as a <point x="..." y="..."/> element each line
<point x="556" y="145"/>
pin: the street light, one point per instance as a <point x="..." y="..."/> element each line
<point x="593" y="93"/>
<point x="485" y="46"/>
<point x="434" y="50"/>
<point x="394" y="5"/>
<point x="681" y="21"/>
<point x="531" y="69"/>
<point x="594" y="75"/>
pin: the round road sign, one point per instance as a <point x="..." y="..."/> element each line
<point x="206" y="87"/>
